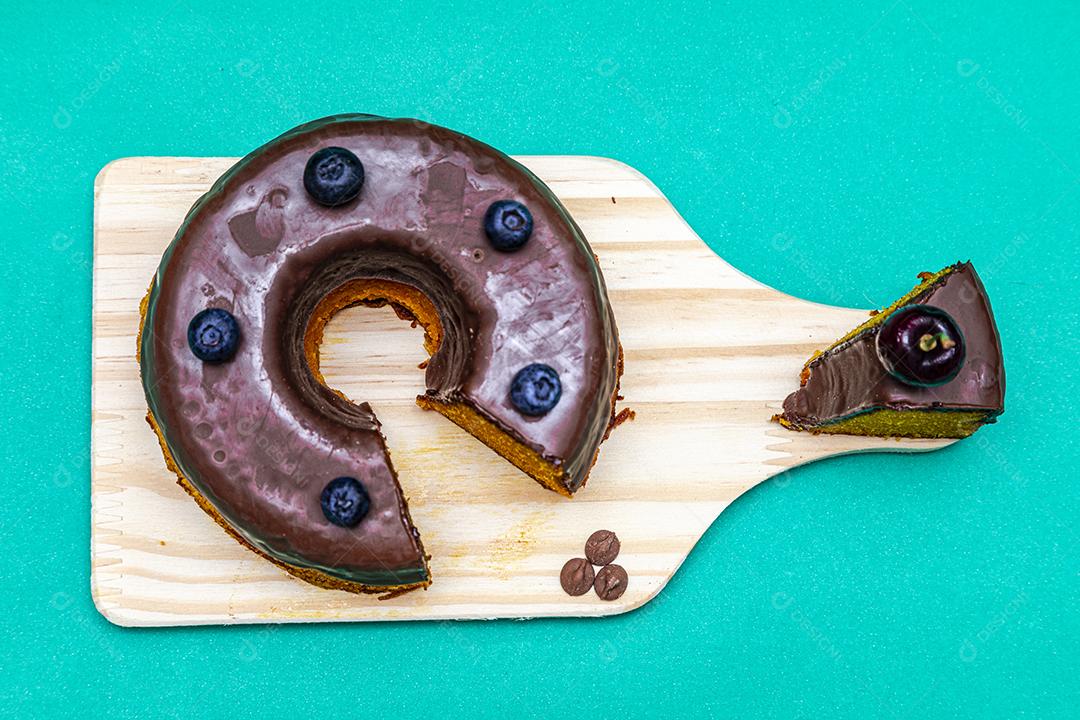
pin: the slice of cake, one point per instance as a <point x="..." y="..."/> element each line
<point x="927" y="366"/>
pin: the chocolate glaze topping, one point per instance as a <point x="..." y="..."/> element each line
<point x="259" y="436"/>
<point x="850" y="379"/>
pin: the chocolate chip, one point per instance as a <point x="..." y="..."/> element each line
<point x="602" y="547"/>
<point x="576" y="576"/>
<point x="610" y="582"/>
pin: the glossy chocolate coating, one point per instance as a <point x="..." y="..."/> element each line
<point x="259" y="436"/>
<point x="850" y="378"/>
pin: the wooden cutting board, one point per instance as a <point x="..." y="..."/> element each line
<point x="710" y="355"/>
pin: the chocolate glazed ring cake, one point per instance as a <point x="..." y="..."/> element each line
<point x="348" y="210"/>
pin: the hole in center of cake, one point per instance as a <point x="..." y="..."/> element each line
<point x="371" y="354"/>
<point x="370" y="340"/>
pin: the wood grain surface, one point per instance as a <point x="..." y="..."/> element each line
<point x="710" y="355"/>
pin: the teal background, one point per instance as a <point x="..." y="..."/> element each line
<point x="832" y="152"/>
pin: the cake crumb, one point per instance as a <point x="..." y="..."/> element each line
<point x="613" y="200"/>
<point x="397" y="592"/>
<point x="624" y="415"/>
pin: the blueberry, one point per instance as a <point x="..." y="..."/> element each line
<point x="535" y="390"/>
<point x="507" y="224"/>
<point x="345" y="502"/>
<point x="213" y="335"/>
<point x="333" y="176"/>
<point x="921" y="345"/>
